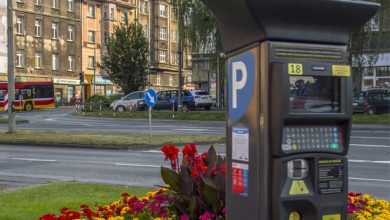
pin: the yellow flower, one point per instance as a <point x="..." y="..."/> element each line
<point x="135" y="218"/>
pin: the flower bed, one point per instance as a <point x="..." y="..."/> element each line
<point x="195" y="190"/>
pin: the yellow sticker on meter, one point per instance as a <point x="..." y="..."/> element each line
<point x="298" y="187"/>
<point x="331" y="217"/>
<point x="341" y="70"/>
<point x="295" y="69"/>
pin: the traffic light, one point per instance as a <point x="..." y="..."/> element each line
<point x="81" y="78"/>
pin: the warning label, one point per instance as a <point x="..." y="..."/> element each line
<point x="298" y="187"/>
<point x="240" y="173"/>
<point x="330" y="176"/>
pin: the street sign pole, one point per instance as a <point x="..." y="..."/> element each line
<point x="11" y="76"/>
<point x="150" y="100"/>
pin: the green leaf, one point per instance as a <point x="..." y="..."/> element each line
<point x="211" y="157"/>
<point x="171" y="178"/>
<point x="209" y="191"/>
<point x="193" y="206"/>
<point x="186" y="184"/>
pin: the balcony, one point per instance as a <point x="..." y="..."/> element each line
<point x="126" y="3"/>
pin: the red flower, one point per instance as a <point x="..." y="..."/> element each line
<point x="204" y="156"/>
<point x="171" y="153"/>
<point x="195" y="173"/>
<point x="125" y="194"/>
<point x="222" y="169"/>
<point x="189" y="151"/>
<point x="64" y="210"/>
<point x="213" y="171"/>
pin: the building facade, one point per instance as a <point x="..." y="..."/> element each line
<point x="161" y="27"/>
<point x="99" y="18"/>
<point x="46" y="46"/>
<point x="375" y="73"/>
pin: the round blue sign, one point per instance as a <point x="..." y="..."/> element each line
<point x="150" y="97"/>
<point x="241" y="74"/>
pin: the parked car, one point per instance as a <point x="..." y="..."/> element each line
<point x="372" y="101"/>
<point x="132" y="101"/>
<point x="168" y="100"/>
<point x="203" y="99"/>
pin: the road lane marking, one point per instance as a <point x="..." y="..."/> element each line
<point x="378" y="180"/>
<point x="33" y="159"/>
<point x="136" y="165"/>
<point x="190" y="129"/>
<point x="384" y="132"/>
<point x="369" y="161"/>
<point x="370" y="145"/>
<point x="385" y="138"/>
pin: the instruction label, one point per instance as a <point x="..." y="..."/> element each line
<point x="240" y="174"/>
<point x="330" y="176"/>
<point x="240" y="144"/>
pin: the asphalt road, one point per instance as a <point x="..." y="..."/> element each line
<point x="369" y="156"/>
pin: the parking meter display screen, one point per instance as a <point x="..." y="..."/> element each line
<point x="314" y="94"/>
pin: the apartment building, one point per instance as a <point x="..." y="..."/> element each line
<point x="46" y="46"/>
<point x="98" y="20"/>
<point x="161" y="28"/>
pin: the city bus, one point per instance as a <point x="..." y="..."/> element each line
<point x="30" y="95"/>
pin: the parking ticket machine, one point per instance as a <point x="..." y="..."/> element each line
<point x="289" y="105"/>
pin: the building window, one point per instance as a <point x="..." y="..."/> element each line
<point x="140" y="6"/>
<point x="70" y="33"/>
<point x="38" y="60"/>
<point x="55" y="4"/>
<point x="91" y="62"/>
<point x="105" y="37"/>
<point x="175" y="36"/>
<point x="70" y="5"/>
<point x="91" y="36"/>
<point x="146" y="31"/>
<point x="173" y="15"/>
<point x="38" y="28"/>
<point x="146" y="7"/>
<point x="170" y="80"/>
<point x="55" y="29"/>
<point x="112" y="13"/>
<point x="163" y="33"/>
<point x="71" y="63"/>
<point x="55" y="62"/>
<point x="158" y="79"/>
<point x="105" y="12"/>
<point x="124" y="17"/>
<point x="38" y="2"/>
<point x="163" y="11"/>
<point x="20" y="25"/>
<point x="21" y="1"/>
<point x="91" y="11"/>
<point x="20" y="58"/>
<point x="162" y="56"/>
<point x="175" y="58"/>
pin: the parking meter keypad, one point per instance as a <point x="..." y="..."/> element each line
<point x="312" y="138"/>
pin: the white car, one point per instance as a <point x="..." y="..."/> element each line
<point x="131" y="102"/>
<point x="202" y="99"/>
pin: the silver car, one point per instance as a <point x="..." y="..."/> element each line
<point x="132" y="102"/>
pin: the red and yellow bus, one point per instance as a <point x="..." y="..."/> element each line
<point x="33" y="95"/>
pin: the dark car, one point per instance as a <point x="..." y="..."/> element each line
<point x="168" y="100"/>
<point x="372" y="101"/>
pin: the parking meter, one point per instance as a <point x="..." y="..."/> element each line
<point x="289" y="105"/>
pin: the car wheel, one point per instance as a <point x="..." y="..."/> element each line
<point x="207" y="108"/>
<point x="186" y="108"/>
<point x="371" y="111"/>
<point x="120" y="108"/>
<point x="28" y="106"/>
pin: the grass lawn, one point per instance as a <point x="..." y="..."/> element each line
<point x="192" y="115"/>
<point x="371" y="119"/>
<point x="31" y="203"/>
<point x="114" y="139"/>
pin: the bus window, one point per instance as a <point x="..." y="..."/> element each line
<point x="2" y="94"/>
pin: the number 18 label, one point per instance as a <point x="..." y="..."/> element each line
<point x="295" y="69"/>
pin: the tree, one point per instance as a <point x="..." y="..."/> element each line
<point x="127" y="57"/>
<point x="366" y="43"/>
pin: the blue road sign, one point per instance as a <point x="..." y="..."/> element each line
<point x="241" y="75"/>
<point x="150" y="97"/>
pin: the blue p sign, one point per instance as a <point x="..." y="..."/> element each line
<point x="241" y="70"/>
